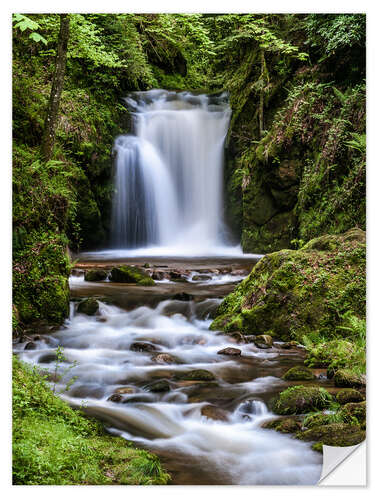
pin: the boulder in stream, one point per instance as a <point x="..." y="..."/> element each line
<point x="299" y="373"/>
<point x="337" y="434"/>
<point x="142" y="347"/>
<point x="214" y="413"/>
<point x="158" y="386"/>
<point x="349" y="396"/>
<point x="301" y="399"/>
<point x="125" y="390"/>
<point x="348" y="378"/>
<point x="131" y="274"/>
<point x="95" y="275"/>
<point x="163" y="358"/>
<point x="285" y="425"/>
<point x="230" y="351"/>
<point x="203" y="375"/>
<point x="88" y="306"/>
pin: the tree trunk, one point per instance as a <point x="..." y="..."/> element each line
<point x="48" y="139"/>
<point x="261" y="98"/>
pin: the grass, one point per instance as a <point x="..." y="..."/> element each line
<point x="56" y="445"/>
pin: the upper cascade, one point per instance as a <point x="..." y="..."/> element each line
<point x="169" y="174"/>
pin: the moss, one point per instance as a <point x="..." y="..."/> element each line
<point x="338" y="434"/>
<point x="131" y="274"/>
<point x="88" y="306"/>
<point x="300" y="293"/>
<point x="348" y="378"/>
<point x="56" y="445"/>
<point x="299" y="373"/>
<point x="301" y="399"/>
<point x="317" y="419"/>
<point x="95" y="275"/>
<point x="349" y="396"/>
<point x="284" y="425"/>
<point x="203" y="375"/>
<point x="354" y="413"/>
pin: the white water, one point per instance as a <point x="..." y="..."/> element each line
<point x="237" y="451"/>
<point x="168" y="175"/>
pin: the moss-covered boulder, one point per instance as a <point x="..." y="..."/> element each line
<point x="131" y="274"/>
<point x="339" y="434"/>
<point x="203" y="375"/>
<point x="349" y="396"/>
<point x="95" y="275"/>
<point x="299" y="373"/>
<point x="300" y="399"/>
<point x="317" y="419"/>
<point x="284" y="425"/>
<point x="293" y="293"/>
<point x="348" y="378"/>
<point x="88" y="306"/>
<point x="354" y="413"/>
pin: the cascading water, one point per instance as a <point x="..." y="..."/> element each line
<point x="168" y="176"/>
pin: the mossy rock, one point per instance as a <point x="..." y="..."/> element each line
<point x="297" y="293"/>
<point x="263" y="341"/>
<point x="317" y="419"/>
<point x="131" y="274"/>
<point x="299" y="373"/>
<point x="95" y="275"/>
<point x="339" y="434"/>
<point x="204" y="375"/>
<point x="158" y="386"/>
<point x="300" y="399"/>
<point x="348" y="378"/>
<point x="349" y="396"/>
<point x="88" y="306"/>
<point x="284" y="425"/>
<point x="354" y="413"/>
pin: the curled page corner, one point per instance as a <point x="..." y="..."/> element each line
<point x="344" y="466"/>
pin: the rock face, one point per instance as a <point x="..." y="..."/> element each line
<point x="230" y="351"/>
<point x="299" y="373"/>
<point x="131" y="274"/>
<point x="95" y="275"/>
<point x="88" y="306"/>
<point x="339" y="434"/>
<point x="347" y="378"/>
<point x="290" y="293"/>
<point x="349" y="396"/>
<point x="300" y="399"/>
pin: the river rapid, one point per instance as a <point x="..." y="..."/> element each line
<point x="127" y="365"/>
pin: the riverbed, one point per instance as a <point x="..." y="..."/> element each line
<point x="131" y="365"/>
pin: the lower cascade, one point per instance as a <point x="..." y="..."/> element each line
<point x="168" y="175"/>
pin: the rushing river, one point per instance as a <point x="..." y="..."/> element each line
<point x="115" y="357"/>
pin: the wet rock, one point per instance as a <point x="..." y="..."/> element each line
<point x="249" y="338"/>
<point x="354" y="413"/>
<point x="348" y="378"/>
<point x="88" y="306"/>
<point x="286" y="345"/>
<point x="87" y="390"/>
<point x="299" y="373"/>
<point x="201" y="277"/>
<point x="178" y="276"/>
<point x="238" y="338"/>
<point x="30" y="346"/>
<point x="284" y="425"/>
<point x="196" y="375"/>
<point x="146" y="265"/>
<point x="214" y="413"/>
<point x="230" y="351"/>
<point x="48" y="358"/>
<point x="164" y="358"/>
<point x="301" y="399"/>
<point x="142" y="347"/>
<point x="125" y="390"/>
<point x="206" y="309"/>
<point x="115" y="398"/>
<point x="349" y="396"/>
<point x="158" y="275"/>
<point x="131" y="274"/>
<point x="95" y="275"/>
<point x="158" y="386"/>
<point x="338" y="434"/>
<point x="183" y="296"/>
<point x="263" y="341"/>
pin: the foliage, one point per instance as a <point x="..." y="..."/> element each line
<point x="53" y="444"/>
<point x="24" y="23"/>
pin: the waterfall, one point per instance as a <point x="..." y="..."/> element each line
<point x="168" y="175"/>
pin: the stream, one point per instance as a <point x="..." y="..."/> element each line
<point x="126" y="366"/>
